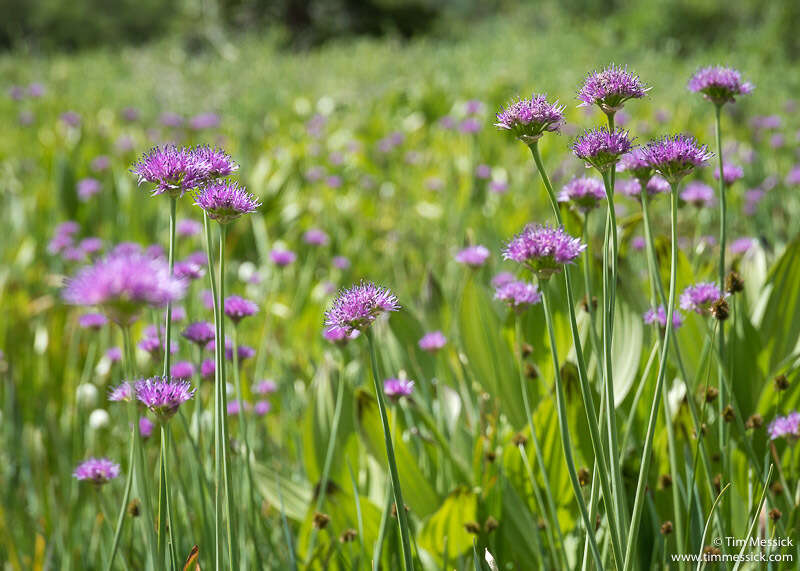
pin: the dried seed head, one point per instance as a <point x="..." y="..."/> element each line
<point x="728" y="414"/>
<point x="348" y="536"/>
<point x="754" y="421"/>
<point x="472" y="527"/>
<point x="531" y="372"/>
<point x="583" y="476"/>
<point x="491" y="524"/>
<point x="777" y="488"/>
<point x="666" y="528"/>
<point x="711" y="394"/>
<point x="775" y="514"/>
<point x="781" y="383"/>
<point x="720" y="309"/>
<point x="134" y="508"/>
<point x="718" y="483"/>
<point x="734" y="283"/>
<point x="665" y="480"/>
<point x="491" y="455"/>
<point x="519" y="439"/>
<point x="711" y="550"/>
<point x="321" y="520"/>
<point x="527" y="349"/>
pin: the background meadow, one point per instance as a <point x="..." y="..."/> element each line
<point x="388" y="146"/>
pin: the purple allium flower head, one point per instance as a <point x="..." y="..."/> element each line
<point x="629" y="187"/>
<point x="163" y="395"/>
<point x="638" y="243"/>
<point x="265" y="387"/>
<point x="674" y="157"/>
<point x="16" y="92"/>
<point x="99" y="471"/>
<point x="237" y="308"/>
<point x="793" y="177"/>
<point x="282" y="258"/>
<point x="584" y="193"/>
<point x="67" y="228"/>
<point x="155" y="346"/>
<point x="636" y="164"/>
<point x="70" y="118"/>
<point x="123" y="284"/>
<point x="208" y="298"/>
<point x="198" y="258"/>
<point x="719" y="84"/>
<point x="785" y="426"/>
<point x="169" y="119"/>
<point x="730" y="173"/>
<point x="262" y="407"/>
<point x="699" y="194"/>
<point x="339" y="336"/>
<point x="114" y="354"/>
<point x="243" y="352"/>
<point x="498" y="186"/>
<point x="333" y="181"/>
<point x="234" y="407"/>
<point x="214" y="162"/>
<point x="92" y="321"/>
<point x="90" y="245"/>
<point x="173" y="170"/>
<point x="659" y="315"/>
<point x="602" y="148"/>
<point x="740" y="246"/>
<point x="123" y="392"/>
<point x="518" y="294"/>
<point x="100" y="163"/>
<point x="356" y="308"/>
<point x="130" y="114"/>
<point x="340" y="262"/>
<point x="88" y="187"/>
<point x="207" y="368"/>
<point x="469" y="126"/>
<point x="543" y="250"/>
<point x="699" y="297"/>
<point x="657" y="185"/>
<point x="529" y="119"/>
<point x="473" y="256"/>
<point x="226" y="201"/>
<point x="610" y="88"/>
<point x="199" y="333"/>
<point x="188" y="270"/>
<point x="483" y="171"/>
<point x="182" y="370"/>
<point x="204" y="121"/>
<point x="146" y="427"/>
<point x="502" y="279"/>
<point x="315" y="237"/>
<point x="432" y="341"/>
<point x="36" y="89"/>
<point x="188" y="227"/>
<point x="396" y="388"/>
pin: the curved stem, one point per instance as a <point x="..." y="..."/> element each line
<point x="566" y="441"/>
<point x="639" y="499"/>
<point x="402" y="517"/>
<point x="123" y="508"/>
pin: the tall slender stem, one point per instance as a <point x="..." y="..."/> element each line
<point x="402" y="517"/>
<point x="123" y="508"/>
<point x="586" y="391"/>
<point x="639" y="499"/>
<point x="168" y="324"/>
<point x="566" y="441"/>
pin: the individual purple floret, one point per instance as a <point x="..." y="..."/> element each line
<point x="173" y="170"/>
<point x="123" y="392"/>
<point x="182" y="370"/>
<point x="265" y="387"/>
<point x="740" y="246"/>
<point x="163" y="395"/>
<point x="698" y="194"/>
<point x="93" y="321"/>
<point x="432" y="341"/>
<point x="529" y="119"/>
<point x="473" y="256"/>
<point x="199" y="333"/>
<point x="87" y="188"/>
<point x="282" y="258"/>
<point x="610" y="88"/>
<point x="396" y="388"/>
<point x="518" y="294"/>
<point x="719" y="84"/>
<point x="188" y="227"/>
<point x="584" y="192"/>
<point x="659" y="315"/>
<point x="123" y="284"/>
<point x="674" y="157"/>
<point x="730" y="173"/>
<point x="315" y="237"/>
<point x="543" y="250"/>
<point x="699" y="297"/>
<point x="225" y="201"/>
<point x="237" y="308"/>
<point x="356" y="308"/>
<point x="602" y="148"/>
<point x="262" y="407"/>
<point x="636" y="164"/>
<point x="785" y="427"/>
<point x="99" y="471"/>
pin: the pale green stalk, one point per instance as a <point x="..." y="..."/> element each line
<point x="402" y="517"/>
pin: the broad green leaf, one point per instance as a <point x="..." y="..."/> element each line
<point x="458" y="508"/>
<point x="281" y="489"/>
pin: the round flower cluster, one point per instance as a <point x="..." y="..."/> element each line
<point x="673" y="157"/>
<point x="432" y="341"/>
<point x="225" y="201"/>
<point x="99" y="471"/>
<point x="699" y="297"/>
<point x="636" y="164"/>
<point x="542" y="249"/>
<point x="175" y="170"/>
<point x="730" y="173"/>
<point x="163" y="395"/>
<point x="610" y="88"/>
<point x="698" y="194"/>
<point x="396" y="388"/>
<point x="529" y="119"/>
<point x="719" y="84"/>
<point x="237" y="308"/>
<point x="785" y="426"/>
<point x="518" y="294"/>
<point x="659" y="315"/>
<point x="602" y="148"/>
<point x="473" y="256"/>
<point x="584" y="193"/>
<point x="199" y="333"/>
<point x="356" y="308"/>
